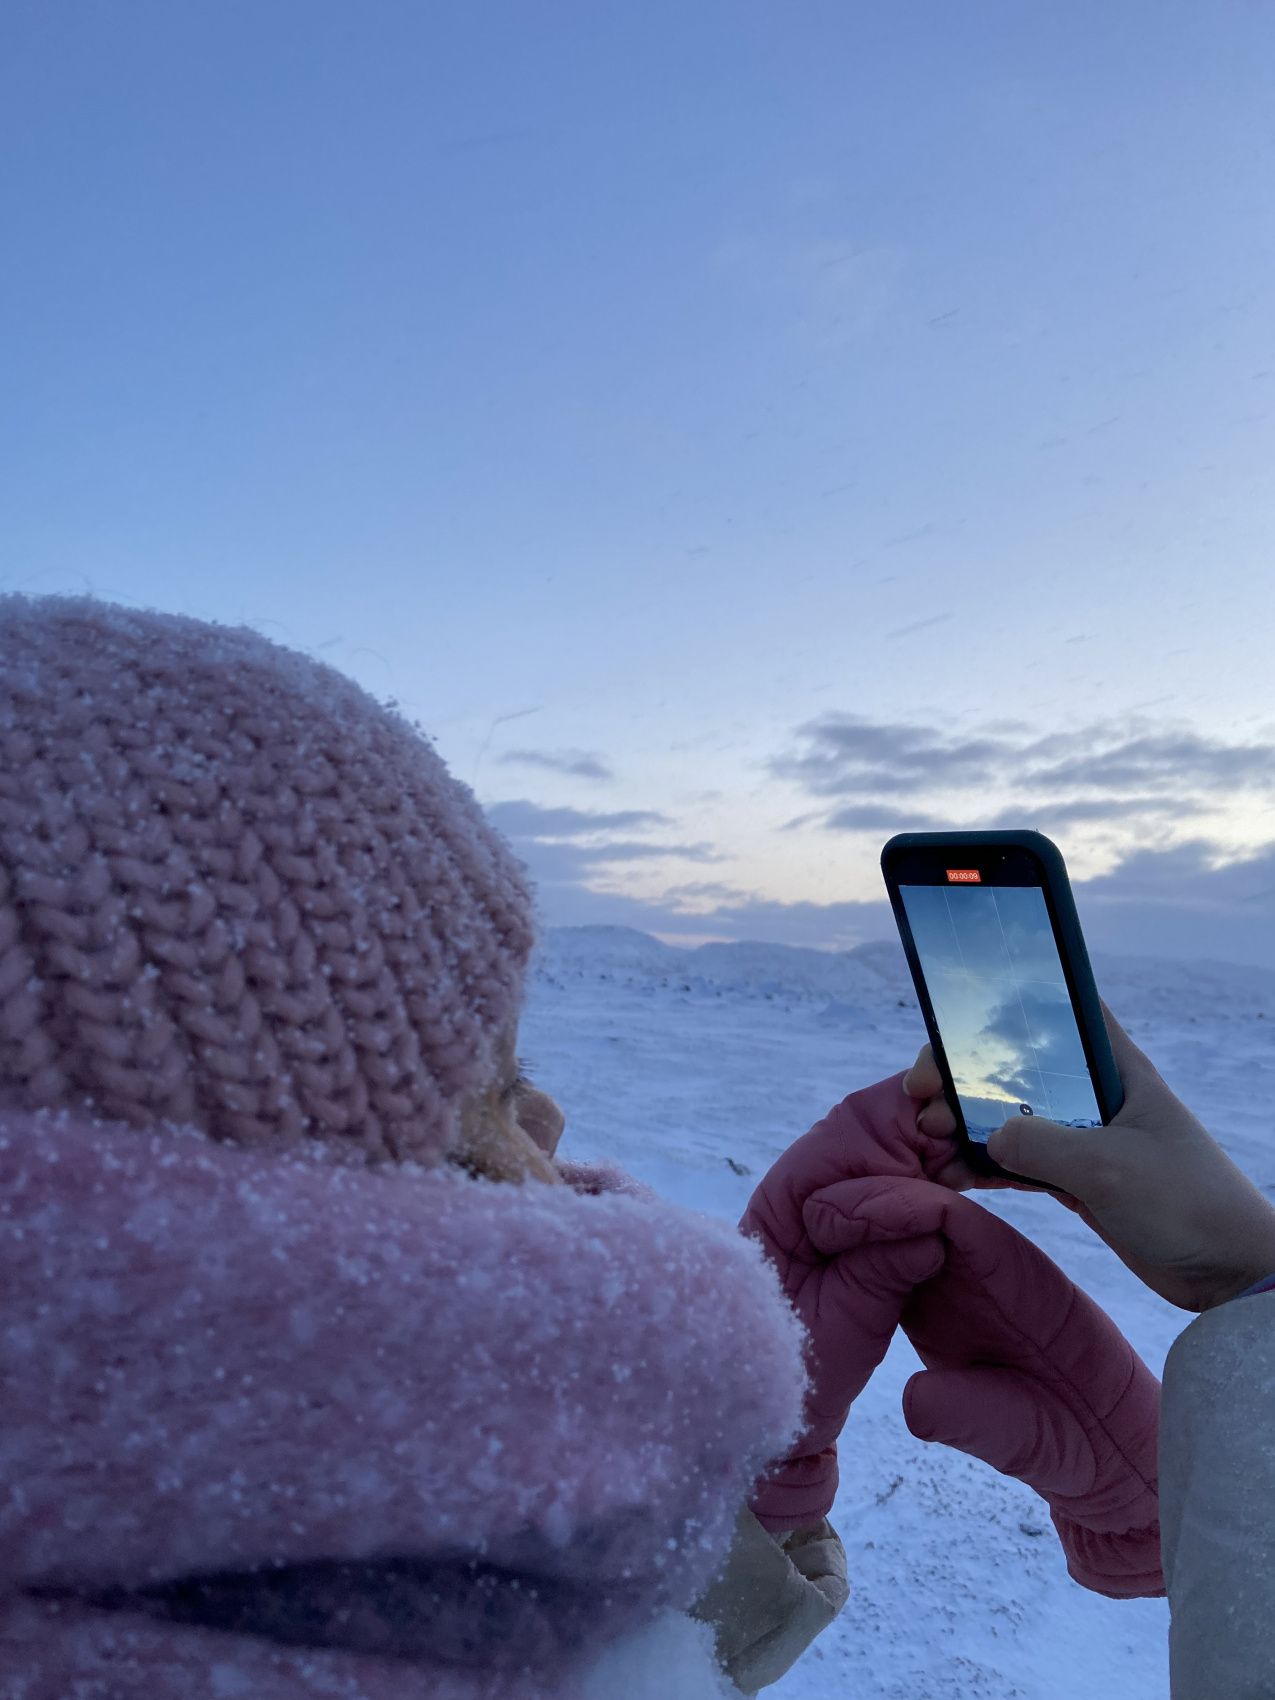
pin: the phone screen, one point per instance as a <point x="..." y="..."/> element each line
<point x="1000" y="998"/>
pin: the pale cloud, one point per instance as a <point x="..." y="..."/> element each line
<point x="522" y="819"/>
<point x="1117" y="772"/>
<point x="1102" y="810"/>
<point x="1177" y="903"/>
<point x="575" y="764"/>
<point x="1131" y="789"/>
<point x="1189" y="900"/>
<point x="843" y="755"/>
<point x="567" y="848"/>
<point x="879" y="817"/>
<point x="644" y="850"/>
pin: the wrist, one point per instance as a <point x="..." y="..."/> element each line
<point x="1264" y="1284"/>
<point x="1250" y="1253"/>
<point x="1253" y="1277"/>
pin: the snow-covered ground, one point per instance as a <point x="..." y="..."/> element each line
<point x="693" y="1069"/>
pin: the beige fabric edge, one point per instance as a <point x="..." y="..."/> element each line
<point x="776" y="1594"/>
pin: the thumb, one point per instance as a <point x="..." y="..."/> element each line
<point x="1040" y="1150"/>
<point x="1133" y="1063"/>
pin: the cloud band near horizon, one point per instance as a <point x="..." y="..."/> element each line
<point x="1157" y="798"/>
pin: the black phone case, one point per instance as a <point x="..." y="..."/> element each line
<point x="1075" y="961"/>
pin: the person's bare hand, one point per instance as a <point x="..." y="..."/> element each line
<point x="1153" y="1184"/>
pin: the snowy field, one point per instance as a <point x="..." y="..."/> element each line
<point x="693" y="1069"/>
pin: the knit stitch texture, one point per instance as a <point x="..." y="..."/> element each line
<point x="237" y="894"/>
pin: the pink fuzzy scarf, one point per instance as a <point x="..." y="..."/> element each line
<point x="272" y="1429"/>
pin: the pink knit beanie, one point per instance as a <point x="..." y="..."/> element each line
<point x="237" y="894"/>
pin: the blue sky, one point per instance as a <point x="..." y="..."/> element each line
<point x="734" y="430"/>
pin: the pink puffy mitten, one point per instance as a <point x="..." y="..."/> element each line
<point x="847" y="1283"/>
<point x="1024" y="1371"/>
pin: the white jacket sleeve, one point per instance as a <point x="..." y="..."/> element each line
<point x="1217" y="1499"/>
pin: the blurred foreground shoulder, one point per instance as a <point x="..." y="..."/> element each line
<point x="1217" y="1494"/>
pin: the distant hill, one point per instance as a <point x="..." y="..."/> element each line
<point x="871" y="972"/>
<point x="865" y="974"/>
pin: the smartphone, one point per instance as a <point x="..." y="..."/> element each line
<point x="1002" y="975"/>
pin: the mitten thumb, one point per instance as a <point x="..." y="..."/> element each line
<point x="797" y="1492"/>
<point x="1041" y="1150"/>
<point x="1007" y="1421"/>
<point x="1021" y="1430"/>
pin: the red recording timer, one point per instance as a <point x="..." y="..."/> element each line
<point x="964" y="876"/>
